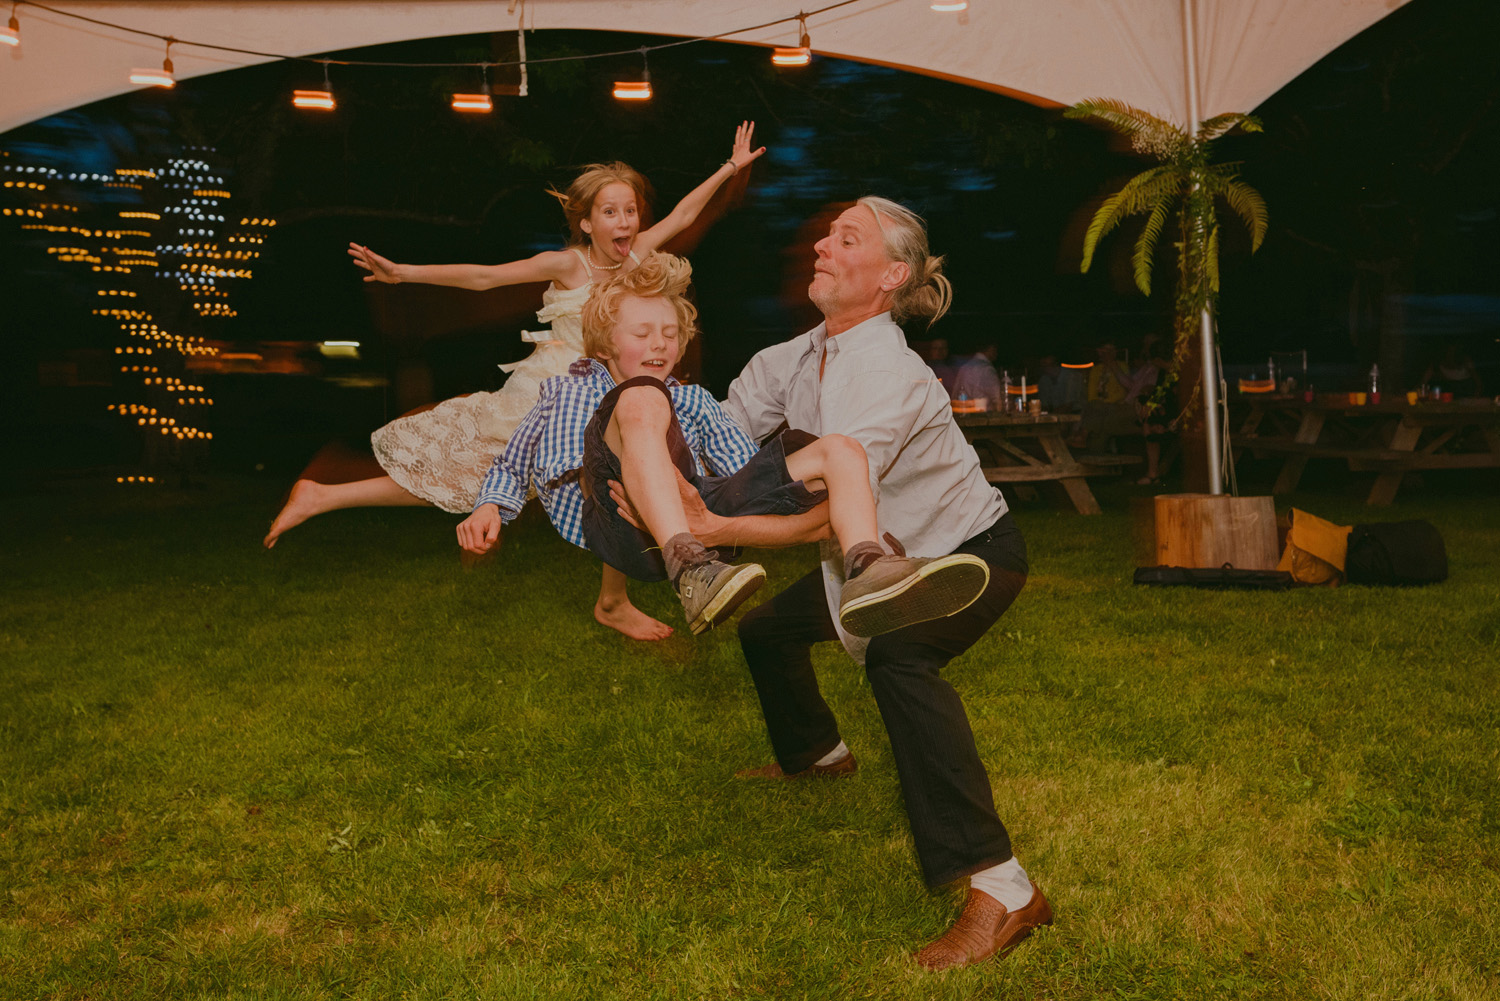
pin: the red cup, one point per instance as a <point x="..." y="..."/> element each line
<point x="1375" y="397"/>
<point x="1307" y="396"/>
<point x="1447" y="398"/>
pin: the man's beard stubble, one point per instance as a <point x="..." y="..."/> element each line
<point x="826" y="300"/>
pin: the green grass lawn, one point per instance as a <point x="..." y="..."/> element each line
<point x="348" y="768"/>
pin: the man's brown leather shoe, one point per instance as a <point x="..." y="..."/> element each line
<point x="985" y="929"/>
<point x="840" y="768"/>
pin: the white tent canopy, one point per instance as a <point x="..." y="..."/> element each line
<point x="1184" y="60"/>
<point x="1045" y="51"/>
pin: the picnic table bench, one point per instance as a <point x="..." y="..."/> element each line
<point x="1027" y="449"/>
<point x="1391" y="438"/>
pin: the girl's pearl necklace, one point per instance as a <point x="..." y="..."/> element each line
<point x="589" y="253"/>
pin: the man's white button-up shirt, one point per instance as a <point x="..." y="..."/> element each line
<point x="930" y="492"/>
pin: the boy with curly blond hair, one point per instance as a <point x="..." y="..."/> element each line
<point x="619" y="415"/>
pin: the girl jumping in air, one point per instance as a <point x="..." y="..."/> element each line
<point x="439" y="457"/>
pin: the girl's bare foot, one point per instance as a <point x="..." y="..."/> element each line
<point x="301" y="504"/>
<point x="624" y="617"/>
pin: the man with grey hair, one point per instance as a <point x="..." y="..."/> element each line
<point x="854" y="375"/>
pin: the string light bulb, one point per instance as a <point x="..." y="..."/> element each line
<point x="635" y="90"/>
<point x="473" y="102"/>
<point x="800" y="55"/>
<point x="11" y="35"/>
<point x="321" y="100"/>
<point x="157" y="78"/>
<point x="950" y="6"/>
<point x="480" y="102"/>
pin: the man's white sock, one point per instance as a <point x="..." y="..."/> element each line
<point x="1006" y="882"/>
<point x="837" y="754"/>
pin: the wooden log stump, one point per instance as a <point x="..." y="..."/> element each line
<point x="1207" y="530"/>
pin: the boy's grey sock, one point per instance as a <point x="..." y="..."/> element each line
<point x="859" y="556"/>
<point x="680" y="552"/>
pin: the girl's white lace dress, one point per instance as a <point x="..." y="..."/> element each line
<point x="442" y="455"/>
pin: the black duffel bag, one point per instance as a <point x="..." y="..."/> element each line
<point x="1396" y="552"/>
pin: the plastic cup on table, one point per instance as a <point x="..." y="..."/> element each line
<point x="1411" y="398"/>
<point x="1447" y="397"/>
<point x="1375" y="398"/>
<point x="1358" y="399"/>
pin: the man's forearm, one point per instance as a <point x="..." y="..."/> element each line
<point x="770" y="531"/>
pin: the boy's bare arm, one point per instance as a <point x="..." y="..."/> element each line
<point x="768" y="531"/>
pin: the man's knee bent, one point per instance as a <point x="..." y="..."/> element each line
<point x="893" y="659"/>
<point x="757" y="627"/>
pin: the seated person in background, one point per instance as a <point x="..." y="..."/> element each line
<point x="620" y="415"/>
<point x="942" y="366"/>
<point x="1108" y="380"/>
<point x="1108" y="409"/>
<point x="977" y="378"/>
<point x="1060" y="389"/>
<point x="1454" y="372"/>
<point x="1154" y="424"/>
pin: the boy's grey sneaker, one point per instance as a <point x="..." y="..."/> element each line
<point x="711" y="591"/>
<point x="898" y="591"/>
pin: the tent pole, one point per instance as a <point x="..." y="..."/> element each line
<point x="1205" y="322"/>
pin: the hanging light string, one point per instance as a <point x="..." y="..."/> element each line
<point x="801" y="16"/>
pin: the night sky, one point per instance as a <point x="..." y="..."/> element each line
<point x="1379" y="166"/>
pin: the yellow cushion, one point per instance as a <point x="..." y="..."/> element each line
<point x="1315" y="550"/>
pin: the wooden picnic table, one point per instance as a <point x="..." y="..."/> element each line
<point x="1390" y="438"/>
<point x="1027" y="449"/>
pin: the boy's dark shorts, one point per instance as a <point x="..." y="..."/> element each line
<point x="762" y="486"/>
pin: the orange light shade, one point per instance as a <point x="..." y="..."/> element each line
<point x="1016" y="390"/>
<point x="320" y="99"/>
<point x="473" y="102"/>
<point x="1087" y="364"/>
<point x="799" y="56"/>
<point x="1257" y="385"/>
<point x="632" y="90"/>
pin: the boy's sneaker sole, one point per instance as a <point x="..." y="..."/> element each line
<point x="941" y="587"/>
<point x="745" y="581"/>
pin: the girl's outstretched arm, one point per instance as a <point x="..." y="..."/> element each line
<point x="686" y="211"/>
<point x="550" y="265"/>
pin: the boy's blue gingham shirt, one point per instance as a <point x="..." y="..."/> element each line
<point x="546" y="451"/>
